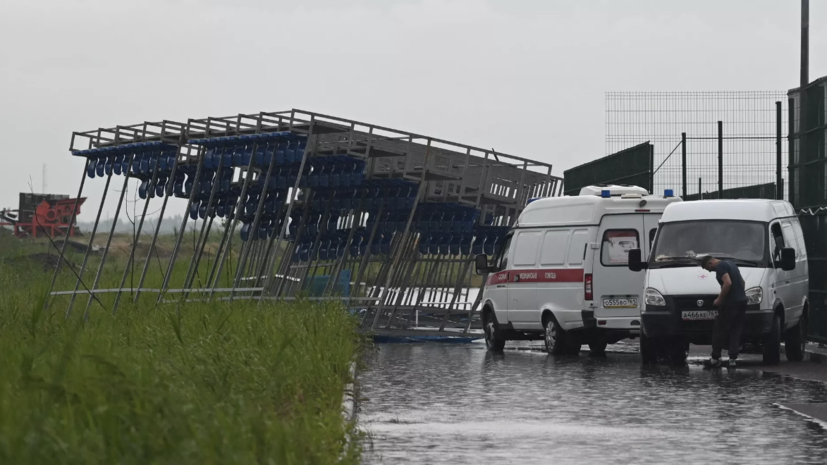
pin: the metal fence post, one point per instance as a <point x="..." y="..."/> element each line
<point x="651" y="169"/>
<point x="792" y="161"/>
<point x="779" y="182"/>
<point x="720" y="159"/>
<point x="683" y="162"/>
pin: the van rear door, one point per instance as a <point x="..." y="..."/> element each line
<point x="650" y="230"/>
<point x="617" y="291"/>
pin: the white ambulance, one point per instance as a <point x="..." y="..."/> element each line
<point x="562" y="272"/>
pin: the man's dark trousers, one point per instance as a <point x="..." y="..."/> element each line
<point x="727" y="329"/>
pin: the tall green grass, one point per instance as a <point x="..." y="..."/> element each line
<point x="201" y="384"/>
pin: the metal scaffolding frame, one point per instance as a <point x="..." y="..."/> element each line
<point x="384" y="220"/>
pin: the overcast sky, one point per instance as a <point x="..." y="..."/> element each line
<point x="523" y="77"/>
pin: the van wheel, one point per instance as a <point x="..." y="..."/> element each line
<point x="772" y="343"/>
<point x="795" y="342"/>
<point x="678" y="352"/>
<point x="648" y="350"/>
<point x="597" y="346"/>
<point x="494" y="339"/>
<point x="556" y="343"/>
<point x="574" y="343"/>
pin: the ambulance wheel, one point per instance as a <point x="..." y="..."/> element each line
<point x="574" y="343"/>
<point x="648" y="350"/>
<point x="555" y="338"/>
<point x="597" y="346"/>
<point x="494" y="339"/>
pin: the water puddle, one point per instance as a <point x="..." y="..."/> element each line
<point x="432" y="403"/>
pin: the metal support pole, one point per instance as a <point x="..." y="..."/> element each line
<point x="683" y="162"/>
<point x="700" y="192"/>
<point x="651" y="172"/>
<point x="454" y="298"/>
<point x="405" y="277"/>
<point x="65" y="238"/>
<point x="89" y="248"/>
<point x="301" y="230"/>
<point x="779" y="181"/>
<point x="334" y="277"/>
<point x="411" y="215"/>
<point x="242" y="261"/>
<point x="792" y="160"/>
<point x="196" y="187"/>
<point x="239" y="208"/>
<point x="109" y="239"/>
<point x="169" y="194"/>
<point x="291" y="202"/>
<point x="364" y="262"/>
<point x="150" y="190"/>
<point x="720" y="160"/>
<point x="206" y="227"/>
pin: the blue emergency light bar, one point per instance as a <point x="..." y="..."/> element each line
<point x="668" y="193"/>
<point x="606" y="194"/>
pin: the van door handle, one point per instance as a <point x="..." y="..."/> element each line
<point x="786" y="282"/>
<point x="500" y="285"/>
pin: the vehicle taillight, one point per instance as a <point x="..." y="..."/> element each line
<point x="588" y="287"/>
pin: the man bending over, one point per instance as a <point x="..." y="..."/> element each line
<point x="732" y="307"/>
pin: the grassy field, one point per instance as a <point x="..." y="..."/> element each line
<point x="200" y="384"/>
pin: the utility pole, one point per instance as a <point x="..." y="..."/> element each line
<point x="805" y="45"/>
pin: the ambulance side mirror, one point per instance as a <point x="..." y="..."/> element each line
<point x="787" y="259"/>
<point x="636" y="260"/>
<point x="481" y="262"/>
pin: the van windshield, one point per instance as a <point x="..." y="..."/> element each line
<point x="684" y="243"/>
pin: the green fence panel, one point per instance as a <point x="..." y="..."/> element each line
<point x="815" y="236"/>
<point x="757" y="191"/>
<point x="632" y="166"/>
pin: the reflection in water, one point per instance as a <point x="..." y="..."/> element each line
<point x="430" y="403"/>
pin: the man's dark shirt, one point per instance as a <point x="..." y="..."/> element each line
<point x="736" y="292"/>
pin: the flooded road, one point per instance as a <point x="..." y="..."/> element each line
<point x="443" y="403"/>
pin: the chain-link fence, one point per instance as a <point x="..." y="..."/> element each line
<point x="705" y="142"/>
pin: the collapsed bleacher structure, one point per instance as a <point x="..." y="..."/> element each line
<point x="308" y="205"/>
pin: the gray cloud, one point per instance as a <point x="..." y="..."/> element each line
<point x="524" y="77"/>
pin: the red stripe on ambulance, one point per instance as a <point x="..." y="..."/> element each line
<point x="567" y="275"/>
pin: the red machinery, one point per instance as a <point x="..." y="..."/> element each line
<point x="43" y="214"/>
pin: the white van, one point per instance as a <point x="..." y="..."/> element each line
<point x="562" y="275"/>
<point x="763" y="238"/>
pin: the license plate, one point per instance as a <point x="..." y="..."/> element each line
<point x="619" y="303"/>
<point x="699" y="315"/>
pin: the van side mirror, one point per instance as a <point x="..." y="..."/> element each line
<point x="481" y="262"/>
<point x="636" y="260"/>
<point x="787" y="259"/>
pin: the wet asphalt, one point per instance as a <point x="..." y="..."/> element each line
<point x="457" y="404"/>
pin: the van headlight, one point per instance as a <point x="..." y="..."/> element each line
<point x="654" y="298"/>
<point x="754" y="296"/>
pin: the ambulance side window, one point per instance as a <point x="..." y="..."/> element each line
<point x="502" y="257"/>
<point x="616" y="245"/>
